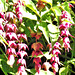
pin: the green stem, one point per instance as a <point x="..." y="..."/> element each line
<point x="64" y="56"/>
<point x="3" y="53"/>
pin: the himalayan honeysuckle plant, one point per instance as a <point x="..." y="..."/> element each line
<point x="37" y="37"/>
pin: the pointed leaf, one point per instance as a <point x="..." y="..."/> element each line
<point x="63" y="71"/>
<point x="53" y="32"/>
<point x="43" y="27"/>
<point x="31" y="6"/>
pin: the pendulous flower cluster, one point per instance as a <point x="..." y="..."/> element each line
<point x="16" y="48"/>
<point x="64" y="34"/>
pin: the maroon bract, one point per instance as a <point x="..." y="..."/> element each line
<point x="38" y="67"/>
<point x="57" y="45"/>
<point x="55" y="52"/>
<point x="55" y="59"/>
<point x="22" y="36"/>
<point x="9" y="16"/>
<point x="65" y="25"/>
<point x="12" y="44"/>
<point x="11" y="36"/>
<point x="55" y="67"/>
<point x="22" y="54"/>
<point x="2" y="15"/>
<point x="37" y="46"/>
<point x="1" y="27"/>
<point x="21" y="61"/>
<point x="21" y="70"/>
<point x="10" y="28"/>
<point x="11" y="51"/>
<point x="22" y="46"/>
<point x="37" y="60"/>
<point x="50" y="47"/>
<point x="37" y="53"/>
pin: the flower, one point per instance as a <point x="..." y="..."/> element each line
<point x="22" y="46"/>
<point x="46" y="66"/>
<point x="57" y="45"/>
<point x="22" y="36"/>
<point x="55" y="59"/>
<point x="10" y="28"/>
<point x="64" y="25"/>
<point x="22" y="54"/>
<point x="70" y="5"/>
<point x="11" y="60"/>
<point x="11" y="36"/>
<point x="11" y="51"/>
<point x="66" y="40"/>
<point x="21" y="70"/>
<point x="67" y="46"/>
<point x="21" y="61"/>
<point x="10" y="16"/>
<point x="66" y="15"/>
<point x="12" y="44"/>
<point x="55" y="52"/>
<point x="55" y="67"/>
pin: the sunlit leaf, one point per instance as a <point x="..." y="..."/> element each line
<point x="42" y="72"/>
<point x="53" y="32"/>
<point x="31" y="6"/>
<point x="43" y="27"/>
<point x="56" y="10"/>
<point x="63" y="71"/>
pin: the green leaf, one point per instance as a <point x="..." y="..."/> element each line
<point x="65" y="6"/>
<point x="47" y="16"/>
<point x="42" y="72"/>
<point x="2" y="39"/>
<point x="48" y="1"/>
<point x="32" y="71"/>
<point x="31" y="6"/>
<point x="73" y="2"/>
<point x="72" y="61"/>
<point x="4" y="5"/>
<point x="53" y="32"/>
<point x="27" y="14"/>
<point x="43" y="27"/>
<point x="63" y="71"/>
<point x="56" y="10"/>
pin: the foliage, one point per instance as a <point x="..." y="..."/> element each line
<point x="37" y="37"/>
